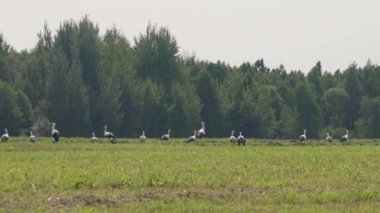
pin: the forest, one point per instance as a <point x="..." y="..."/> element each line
<point x="83" y="80"/>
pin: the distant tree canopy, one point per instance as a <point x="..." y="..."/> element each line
<point x="83" y="80"/>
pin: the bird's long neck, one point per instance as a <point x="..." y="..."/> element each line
<point x="143" y="133"/>
<point x="53" y="127"/>
<point x="195" y="132"/>
<point x="232" y="133"/>
<point x="105" y="128"/>
<point x="6" y="131"/>
<point x="240" y="134"/>
<point x="304" y="132"/>
<point x="31" y="133"/>
<point x="169" y="132"/>
<point x="93" y="134"/>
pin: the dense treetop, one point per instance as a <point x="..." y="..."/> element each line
<point x="83" y="80"/>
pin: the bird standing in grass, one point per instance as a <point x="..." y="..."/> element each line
<point x="241" y="139"/>
<point x="166" y="137"/>
<point x="344" y="137"/>
<point x="201" y="132"/>
<point x="142" y="137"/>
<point x="328" y="137"/>
<point x="303" y="136"/>
<point x="109" y="135"/>
<point x="93" y="138"/>
<point x="54" y="133"/>
<point x="5" y="137"/>
<point x="193" y="137"/>
<point x="32" y="137"/>
<point x="233" y="139"/>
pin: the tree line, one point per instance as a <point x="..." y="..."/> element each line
<point x="83" y="80"/>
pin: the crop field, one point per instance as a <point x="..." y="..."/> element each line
<point x="210" y="175"/>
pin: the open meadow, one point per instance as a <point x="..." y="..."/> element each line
<point x="210" y="175"/>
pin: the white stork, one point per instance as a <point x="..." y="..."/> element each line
<point x="329" y="138"/>
<point x="233" y="139"/>
<point x="303" y="136"/>
<point x="241" y="139"/>
<point x="142" y="137"/>
<point x="93" y="138"/>
<point x="193" y="137"/>
<point x="166" y="137"/>
<point x="109" y="135"/>
<point x="344" y="137"/>
<point x="54" y="133"/>
<point x="32" y="138"/>
<point x="202" y="131"/>
<point x="5" y="136"/>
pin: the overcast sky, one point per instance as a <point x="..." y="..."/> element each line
<point x="294" y="33"/>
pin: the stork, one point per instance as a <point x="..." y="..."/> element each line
<point x="233" y="139"/>
<point x="5" y="136"/>
<point x="109" y="135"/>
<point x="344" y="137"/>
<point x="193" y="137"/>
<point x="328" y="137"/>
<point x="166" y="137"/>
<point x="202" y="131"/>
<point x="241" y="139"/>
<point x="93" y="138"/>
<point x="142" y="137"/>
<point x="303" y="136"/>
<point x="54" y="133"/>
<point x="32" y="138"/>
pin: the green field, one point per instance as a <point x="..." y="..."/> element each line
<point x="207" y="176"/>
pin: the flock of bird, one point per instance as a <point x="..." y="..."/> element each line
<point x="329" y="138"/>
<point x="198" y="134"/>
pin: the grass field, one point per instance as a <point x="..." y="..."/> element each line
<point x="207" y="176"/>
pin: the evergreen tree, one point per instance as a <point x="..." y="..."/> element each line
<point x="335" y="104"/>
<point x="5" y="50"/>
<point x="67" y="98"/>
<point x="314" y="77"/>
<point x="257" y="117"/>
<point x="369" y="121"/>
<point x="115" y="80"/>
<point x="10" y="113"/>
<point x="25" y="120"/>
<point x="354" y="91"/>
<point x="211" y="112"/>
<point x="371" y="80"/>
<point x="309" y="112"/>
<point x="156" y="55"/>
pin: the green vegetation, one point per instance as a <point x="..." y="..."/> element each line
<point x="82" y="79"/>
<point x="210" y="175"/>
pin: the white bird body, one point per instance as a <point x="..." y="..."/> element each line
<point x="233" y="139"/>
<point x="193" y="137"/>
<point x="93" y="138"/>
<point x="303" y="136"/>
<point x="32" y="137"/>
<point x="142" y="137"/>
<point x="241" y="139"/>
<point x="344" y="137"/>
<point x="54" y="133"/>
<point x="5" y="137"/>
<point x="165" y="137"/>
<point x="202" y="131"/>
<point x="329" y="138"/>
<point x="109" y="135"/>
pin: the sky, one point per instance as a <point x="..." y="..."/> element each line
<point x="293" y="33"/>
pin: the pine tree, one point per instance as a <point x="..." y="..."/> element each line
<point x="309" y="112"/>
<point x="354" y="90"/>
